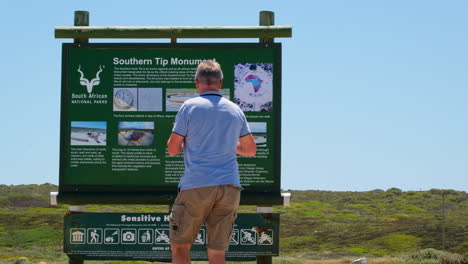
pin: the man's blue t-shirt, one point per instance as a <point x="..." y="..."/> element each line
<point x="212" y="126"/>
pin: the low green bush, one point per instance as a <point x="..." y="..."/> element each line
<point x="433" y="256"/>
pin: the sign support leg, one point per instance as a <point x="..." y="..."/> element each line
<point x="75" y="261"/>
<point x="266" y="18"/>
<point x="74" y="209"/>
<point x="264" y="259"/>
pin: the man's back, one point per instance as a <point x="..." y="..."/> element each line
<point x="210" y="130"/>
<point x="212" y="126"/>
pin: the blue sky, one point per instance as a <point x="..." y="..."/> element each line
<point x="136" y="125"/>
<point x="375" y="93"/>
<point x="258" y="127"/>
<point x="86" y="124"/>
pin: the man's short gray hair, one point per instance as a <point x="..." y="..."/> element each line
<point x="209" y="71"/>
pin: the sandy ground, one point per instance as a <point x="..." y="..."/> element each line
<point x="83" y="139"/>
<point x="146" y="140"/>
<point x="260" y="140"/>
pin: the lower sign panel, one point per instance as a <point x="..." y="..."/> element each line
<point x="137" y="236"/>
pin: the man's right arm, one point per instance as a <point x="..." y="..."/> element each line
<point x="246" y="146"/>
<point x="175" y="144"/>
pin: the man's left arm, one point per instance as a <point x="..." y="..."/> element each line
<point x="175" y="144"/>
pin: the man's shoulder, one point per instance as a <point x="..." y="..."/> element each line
<point x="192" y="101"/>
<point x="231" y="104"/>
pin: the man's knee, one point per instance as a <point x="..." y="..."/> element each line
<point x="180" y="249"/>
<point x="180" y="253"/>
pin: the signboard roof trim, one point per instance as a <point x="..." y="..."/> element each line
<point x="173" y="32"/>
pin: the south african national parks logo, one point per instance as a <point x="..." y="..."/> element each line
<point x="86" y="82"/>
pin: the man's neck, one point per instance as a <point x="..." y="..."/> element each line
<point x="209" y="90"/>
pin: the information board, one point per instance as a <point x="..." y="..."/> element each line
<point x="143" y="236"/>
<point x="119" y="103"/>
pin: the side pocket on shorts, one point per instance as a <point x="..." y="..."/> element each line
<point x="176" y="216"/>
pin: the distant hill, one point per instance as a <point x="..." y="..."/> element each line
<point x="373" y="223"/>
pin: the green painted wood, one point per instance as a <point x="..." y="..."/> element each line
<point x="175" y="32"/>
<point x="81" y="19"/>
<point x="264" y="259"/>
<point x="266" y="18"/>
<point x="247" y="198"/>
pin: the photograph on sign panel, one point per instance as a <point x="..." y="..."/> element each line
<point x="259" y="132"/>
<point x="176" y="97"/>
<point x="136" y="133"/>
<point x="88" y="133"/>
<point x="125" y="99"/>
<point x="253" y="86"/>
<point x="149" y="99"/>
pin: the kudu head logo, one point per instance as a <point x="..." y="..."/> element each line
<point x="90" y="84"/>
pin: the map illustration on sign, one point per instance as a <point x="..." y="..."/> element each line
<point x="253" y="86"/>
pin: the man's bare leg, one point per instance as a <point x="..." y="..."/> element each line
<point x="216" y="256"/>
<point x="180" y="253"/>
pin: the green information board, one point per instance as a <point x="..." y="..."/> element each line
<point x="131" y="236"/>
<point x="119" y="103"/>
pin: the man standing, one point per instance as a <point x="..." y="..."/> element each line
<point x="210" y="130"/>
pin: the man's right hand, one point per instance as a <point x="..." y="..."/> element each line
<point x="246" y="146"/>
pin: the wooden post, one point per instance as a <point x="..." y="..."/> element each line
<point x="75" y="208"/>
<point x="267" y="18"/>
<point x="264" y="209"/>
<point x="75" y="261"/>
<point x="81" y="19"/>
<point x="443" y="220"/>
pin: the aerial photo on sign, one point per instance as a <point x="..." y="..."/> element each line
<point x="90" y="133"/>
<point x="136" y="133"/>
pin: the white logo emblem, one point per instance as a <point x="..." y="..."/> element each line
<point x="89" y="84"/>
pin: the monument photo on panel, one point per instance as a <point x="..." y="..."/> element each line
<point x="259" y="132"/>
<point x="125" y="99"/>
<point x="136" y="133"/>
<point x="88" y="133"/>
<point x="176" y="97"/>
<point x="253" y="86"/>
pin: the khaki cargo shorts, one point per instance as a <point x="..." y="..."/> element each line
<point x="214" y="206"/>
